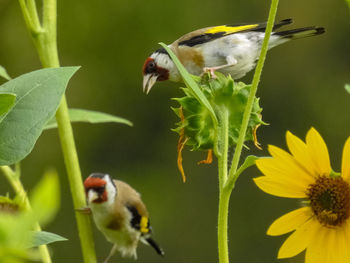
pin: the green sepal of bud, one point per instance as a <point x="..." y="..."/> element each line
<point x="8" y="205"/>
<point x="334" y="174"/>
<point x="224" y="95"/>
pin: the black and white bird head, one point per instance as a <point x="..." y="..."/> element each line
<point x="100" y="189"/>
<point x="158" y="67"/>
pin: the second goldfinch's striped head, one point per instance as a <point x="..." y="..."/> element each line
<point x="158" y="67"/>
<point x="100" y="188"/>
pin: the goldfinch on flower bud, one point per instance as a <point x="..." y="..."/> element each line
<point x="230" y="49"/>
<point x="119" y="214"/>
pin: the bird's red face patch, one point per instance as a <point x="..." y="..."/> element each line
<point x="98" y="185"/>
<point x="163" y="74"/>
<point x="92" y="182"/>
<point x="150" y="67"/>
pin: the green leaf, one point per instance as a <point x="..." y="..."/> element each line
<point x="7" y="100"/>
<point x="347" y="88"/>
<point x="190" y="83"/>
<point x="38" y="96"/>
<point x="80" y="115"/>
<point x="249" y="161"/>
<point x="45" y="198"/>
<point x="3" y="73"/>
<point x="43" y="238"/>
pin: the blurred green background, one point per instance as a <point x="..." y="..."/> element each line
<point x="302" y="86"/>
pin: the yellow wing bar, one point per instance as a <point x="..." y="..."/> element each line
<point x="230" y="29"/>
<point x="144" y="225"/>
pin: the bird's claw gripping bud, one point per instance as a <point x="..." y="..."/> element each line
<point x="83" y="210"/>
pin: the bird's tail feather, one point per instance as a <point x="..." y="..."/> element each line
<point x="282" y="23"/>
<point x="153" y="244"/>
<point x="262" y="26"/>
<point x="301" y="32"/>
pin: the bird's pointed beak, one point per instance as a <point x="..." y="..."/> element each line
<point x="148" y="82"/>
<point x="92" y="196"/>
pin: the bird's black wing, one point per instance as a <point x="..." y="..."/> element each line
<point x="138" y="221"/>
<point x="211" y="33"/>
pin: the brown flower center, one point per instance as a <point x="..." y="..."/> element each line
<point x="330" y="200"/>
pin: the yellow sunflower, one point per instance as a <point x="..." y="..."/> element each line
<point x="322" y="227"/>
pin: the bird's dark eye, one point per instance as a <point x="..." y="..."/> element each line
<point x="151" y="66"/>
<point x="99" y="190"/>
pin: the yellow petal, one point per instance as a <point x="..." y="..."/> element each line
<point x="288" y="161"/>
<point x="299" y="151"/>
<point x="290" y="221"/>
<point x="346" y="236"/>
<point x="279" y="187"/>
<point x="319" y="152"/>
<point x="315" y="253"/>
<point x="278" y="153"/>
<point x="331" y="246"/>
<point x="343" y="242"/>
<point x="300" y="239"/>
<point x="347" y="230"/>
<point x="289" y="172"/>
<point x="340" y="251"/>
<point x="345" y="169"/>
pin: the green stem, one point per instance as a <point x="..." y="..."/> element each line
<point x="26" y="16"/>
<point x="230" y="185"/>
<point x="15" y="182"/>
<point x="224" y="199"/>
<point x="227" y="183"/>
<point x="13" y="178"/>
<point x="49" y="57"/>
<point x="75" y="180"/>
<point x="223" y="147"/>
<point x="34" y="14"/>
<point x="253" y="89"/>
<point x="46" y="45"/>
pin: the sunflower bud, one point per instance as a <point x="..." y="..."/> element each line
<point x="223" y="93"/>
<point x="7" y="205"/>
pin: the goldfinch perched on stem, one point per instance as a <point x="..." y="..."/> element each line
<point x="230" y="49"/>
<point x="119" y="214"/>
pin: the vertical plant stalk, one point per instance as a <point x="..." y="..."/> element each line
<point x="254" y="87"/>
<point x="224" y="201"/>
<point x="223" y="147"/>
<point x="15" y="182"/>
<point x="44" y="37"/>
<point x="229" y="182"/>
<point x="223" y="198"/>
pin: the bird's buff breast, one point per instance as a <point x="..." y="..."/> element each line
<point x="116" y="228"/>
<point x="192" y="58"/>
